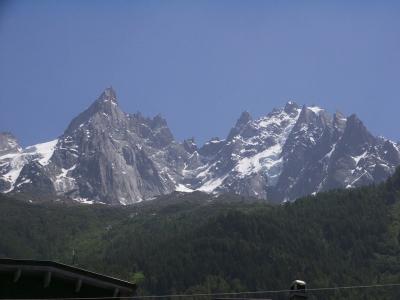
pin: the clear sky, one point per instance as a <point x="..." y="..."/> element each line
<point x="198" y="63"/>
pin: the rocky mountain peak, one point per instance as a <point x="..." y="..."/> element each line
<point x="355" y="131"/>
<point x="339" y="116"/>
<point x="211" y="147"/>
<point x="315" y="116"/>
<point x="108" y="95"/>
<point x="190" y="145"/>
<point x="305" y="115"/>
<point x="244" y="118"/>
<point x="291" y="107"/>
<point x="339" y="121"/>
<point x="106" y="110"/>
<point x="241" y="123"/>
<point x="106" y="102"/>
<point x="159" y="122"/>
<point x="8" y="143"/>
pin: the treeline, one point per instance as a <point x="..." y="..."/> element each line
<point x="196" y="243"/>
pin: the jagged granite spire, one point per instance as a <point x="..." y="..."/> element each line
<point x="105" y="106"/>
<point x="109" y="156"/>
<point x="291" y="107"/>
<point x="109" y="95"/>
<point x="190" y="145"/>
<point x="243" y="120"/>
<point x="356" y="132"/>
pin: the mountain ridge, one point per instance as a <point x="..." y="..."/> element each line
<point x="108" y="156"/>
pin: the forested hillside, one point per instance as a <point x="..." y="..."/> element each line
<point x="197" y="243"/>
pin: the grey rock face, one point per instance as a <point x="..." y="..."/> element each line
<point x="104" y="155"/>
<point x="108" y="156"/>
<point x="8" y="143"/>
<point x="293" y="152"/>
<point x="250" y="160"/>
<point x="8" y="148"/>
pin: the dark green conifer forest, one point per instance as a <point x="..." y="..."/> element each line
<point x="197" y="243"/>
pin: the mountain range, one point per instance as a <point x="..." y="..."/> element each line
<point x="108" y="156"/>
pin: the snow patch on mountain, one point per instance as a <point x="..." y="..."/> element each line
<point x="277" y="126"/>
<point x="315" y="109"/>
<point x="359" y="157"/>
<point x="212" y="184"/>
<point x="43" y="151"/>
<point x="270" y="159"/>
<point x="13" y="167"/>
<point x="13" y="163"/>
<point x="182" y="188"/>
<point x="64" y="182"/>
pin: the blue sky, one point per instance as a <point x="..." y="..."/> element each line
<point x="198" y="63"/>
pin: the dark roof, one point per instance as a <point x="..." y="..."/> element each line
<point x="66" y="272"/>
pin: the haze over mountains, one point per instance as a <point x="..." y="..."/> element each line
<point x="108" y="156"/>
